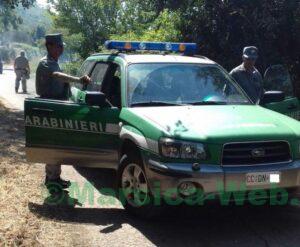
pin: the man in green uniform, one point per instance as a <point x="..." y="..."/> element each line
<point x="247" y="76"/>
<point x="22" y="70"/>
<point x="51" y="83"/>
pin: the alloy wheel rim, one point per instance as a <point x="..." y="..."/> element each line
<point x="134" y="185"/>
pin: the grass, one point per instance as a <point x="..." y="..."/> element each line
<point x="17" y="226"/>
<point x="21" y="184"/>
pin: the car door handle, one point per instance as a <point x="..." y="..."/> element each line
<point x="292" y="107"/>
<point x="44" y="110"/>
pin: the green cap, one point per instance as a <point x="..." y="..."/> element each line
<point x="54" y="39"/>
<point x="250" y="52"/>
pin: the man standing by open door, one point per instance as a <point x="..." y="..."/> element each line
<point x="51" y="83"/>
<point x="247" y="76"/>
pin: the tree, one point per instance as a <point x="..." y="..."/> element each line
<point x="152" y="31"/>
<point x="15" y="3"/>
<point x="95" y="20"/>
<point x="8" y="16"/>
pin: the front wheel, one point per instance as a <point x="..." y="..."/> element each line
<point x="134" y="192"/>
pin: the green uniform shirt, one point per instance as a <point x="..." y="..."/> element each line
<point x="250" y="82"/>
<point x="47" y="86"/>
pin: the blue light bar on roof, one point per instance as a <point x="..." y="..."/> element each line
<point x="186" y="48"/>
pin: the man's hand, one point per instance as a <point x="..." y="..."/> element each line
<point x="85" y="80"/>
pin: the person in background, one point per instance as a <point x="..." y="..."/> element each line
<point x="247" y="76"/>
<point x="22" y="70"/>
<point x="51" y="83"/>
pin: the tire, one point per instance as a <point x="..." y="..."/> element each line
<point x="133" y="189"/>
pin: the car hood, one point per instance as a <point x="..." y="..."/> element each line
<point x="220" y="124"/>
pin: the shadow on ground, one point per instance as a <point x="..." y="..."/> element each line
<point x="215" y="226"/>
<point x="100" y="178"/>
<point x="210" y="225"/>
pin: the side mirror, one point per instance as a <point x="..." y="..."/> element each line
<point x="95" y="99"/>
<point x="272" y="97"/>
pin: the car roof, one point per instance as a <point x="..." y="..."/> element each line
<point x="159" y="58"/>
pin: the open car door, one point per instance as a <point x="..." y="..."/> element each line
<point x="277" y="78"/>
<point x="75" y="132"/>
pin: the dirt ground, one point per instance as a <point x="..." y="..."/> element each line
<point x="21" y="186"/>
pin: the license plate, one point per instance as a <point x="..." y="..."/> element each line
<point x="262" y="178"/>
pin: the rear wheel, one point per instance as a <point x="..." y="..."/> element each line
<point x="134" y="192"/>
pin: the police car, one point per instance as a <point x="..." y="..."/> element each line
<point x="170" y="125"/>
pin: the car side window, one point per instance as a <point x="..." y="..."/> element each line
<point x="277" y="78"/>
<point x="85" y="69"/>
<point x="97" y="76"/>
<point x="115" y="89"/>
<point x="112" y="85"/>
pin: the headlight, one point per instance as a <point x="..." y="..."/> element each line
<point x="182" y="150"/>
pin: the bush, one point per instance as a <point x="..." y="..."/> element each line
<point x="31" y="51"/>
<point x="7" y="54"/>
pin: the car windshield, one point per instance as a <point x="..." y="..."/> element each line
<point x="163" y="84"/>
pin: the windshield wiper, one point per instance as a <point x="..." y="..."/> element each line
<point x="155" y="103"/>
<point x="209" y="103"/>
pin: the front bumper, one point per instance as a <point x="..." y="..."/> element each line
<point x="216" y="179"/>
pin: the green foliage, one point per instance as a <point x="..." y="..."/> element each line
<point x="8" y="17"/>
<point x="34" y="18"/>
<point x="134" y="17"/>
<point x="94" y="19"/>
<point x="24" y="25"/>
<point x="9" y="53"/>
<point x="6" y="54"/>
<point x="30" y="51"/>
<point x="155" y="31"/>
<point x="14" y="3"/>
<point x="72" y="68"/>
